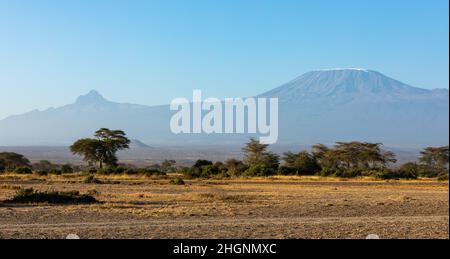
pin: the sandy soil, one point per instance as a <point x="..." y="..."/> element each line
<point x="279" y="207"/>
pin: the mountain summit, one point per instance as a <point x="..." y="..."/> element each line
<point x="333" y="84"/>
<point x="345" y="104"/>
<point x="91" y="98"/>
<point x="322" y="106"/>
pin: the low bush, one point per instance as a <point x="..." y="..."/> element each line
<point x="443" y="176"/>
<point x="284" y="170"/>
<point x="32" y="196"/>
<point x="429" y="172"/>
<point x="341" y="173"/>
<point x="396" y="175"/>
<point x="105" y="171"/>
<point x="66" y="169"/>
<point x="150" y="172"/>
<point x="203" y="169"/>
<point x="55" y="172"/>
<point x="351" y="173"/>
<point x="23" y="170"/>
<point x="130" y="171"/>
<point x="209" y="170"/>
<point x="202" y="163"/>
<point x="92" y="180"/>
<point x="41" y="172"/>
<point x="259" y="170"/>
<point x="193" y="172"/>
<point x="325" y="172"/>
<point x="177" y="181"/>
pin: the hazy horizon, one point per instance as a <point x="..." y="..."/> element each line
<point x="105" y="95"/>
<point x="323" y="106"/>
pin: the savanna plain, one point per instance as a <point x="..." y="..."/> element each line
<point x="277" y="207"/>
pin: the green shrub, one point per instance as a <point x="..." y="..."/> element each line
<point x="2" y="166"/>
<point x="396" y="175"/>
<point x="209" y="170"/>
<point x="131" y="172"/>
<point x="32" y="196"/>
<point x="303" y="163"/>
<point x="259" y="170"/>
<point x="206" y="171"/>
<point x="283" y="170"/>
<point x="177" y="181"/>
<point x="339" y="172"/>
<point x="325" y="172"/>
<point x="55" y="171"/>
<point x="105" y="171"/>
<point x="443" y="176"/>
<point x="150" y="172"/>
<point x="193" y="172"/>
<point x="120" y="170"/>
<point x="202" y="163"/>
<point x="350" y="173"/>
<point x="41" y="172"/>
<point x="90" y="179"/>
<point x="23" y="170"/>
<point x="9" y="161"/>
<point x="429" y="171"/>
<point x="66" y="169"/>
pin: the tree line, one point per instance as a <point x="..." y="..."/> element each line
<point x="344" y="159"/>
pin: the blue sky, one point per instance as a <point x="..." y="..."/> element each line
<point x="151" y="51"/>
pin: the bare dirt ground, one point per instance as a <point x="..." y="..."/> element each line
<point x="279" y="207"/>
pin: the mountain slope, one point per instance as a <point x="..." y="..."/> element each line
<point x="348" y="84"/>
<point x="320" y="106"/>
<point x="63" y="125"/>
<point x="346" y="104"/>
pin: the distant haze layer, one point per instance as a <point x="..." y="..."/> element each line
<point x="321" y="106"/>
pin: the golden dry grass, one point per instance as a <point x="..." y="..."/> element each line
<point x="275" y="207"/>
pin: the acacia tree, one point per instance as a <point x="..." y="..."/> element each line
<point x="435" y="157"/>
<point x="303" y="162"/>
<point x="167" y="165"/>
<point x="10" y="161"/>
<point x="353" y="155"/>
<point x="324" y="156"/>
<point x="234" y="166"/>
<point x="43" y="165"/>
<point x="363" y="155"/>
<point x="103" y="148"/>
<point x="256" y="154"/>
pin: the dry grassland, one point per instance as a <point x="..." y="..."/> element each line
<point x="277" y="207"/>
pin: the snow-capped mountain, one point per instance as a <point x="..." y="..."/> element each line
<point x="351" y="84"/>
<point x="346" y="104"/>
<point x="320" y="106"/>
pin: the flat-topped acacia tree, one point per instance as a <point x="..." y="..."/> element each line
<point x="435" y="157"/>
<point x="102" y="148"/>
<point x="10" y="161"/>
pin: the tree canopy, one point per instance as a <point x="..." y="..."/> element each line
<point x="10" y="161"/>
<point x="102" y="148"/>
<point x="353" y="155"/>
<point x="435" y="156"/>
<point x="302" y="162"/>
<point x="256" y="154"/>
